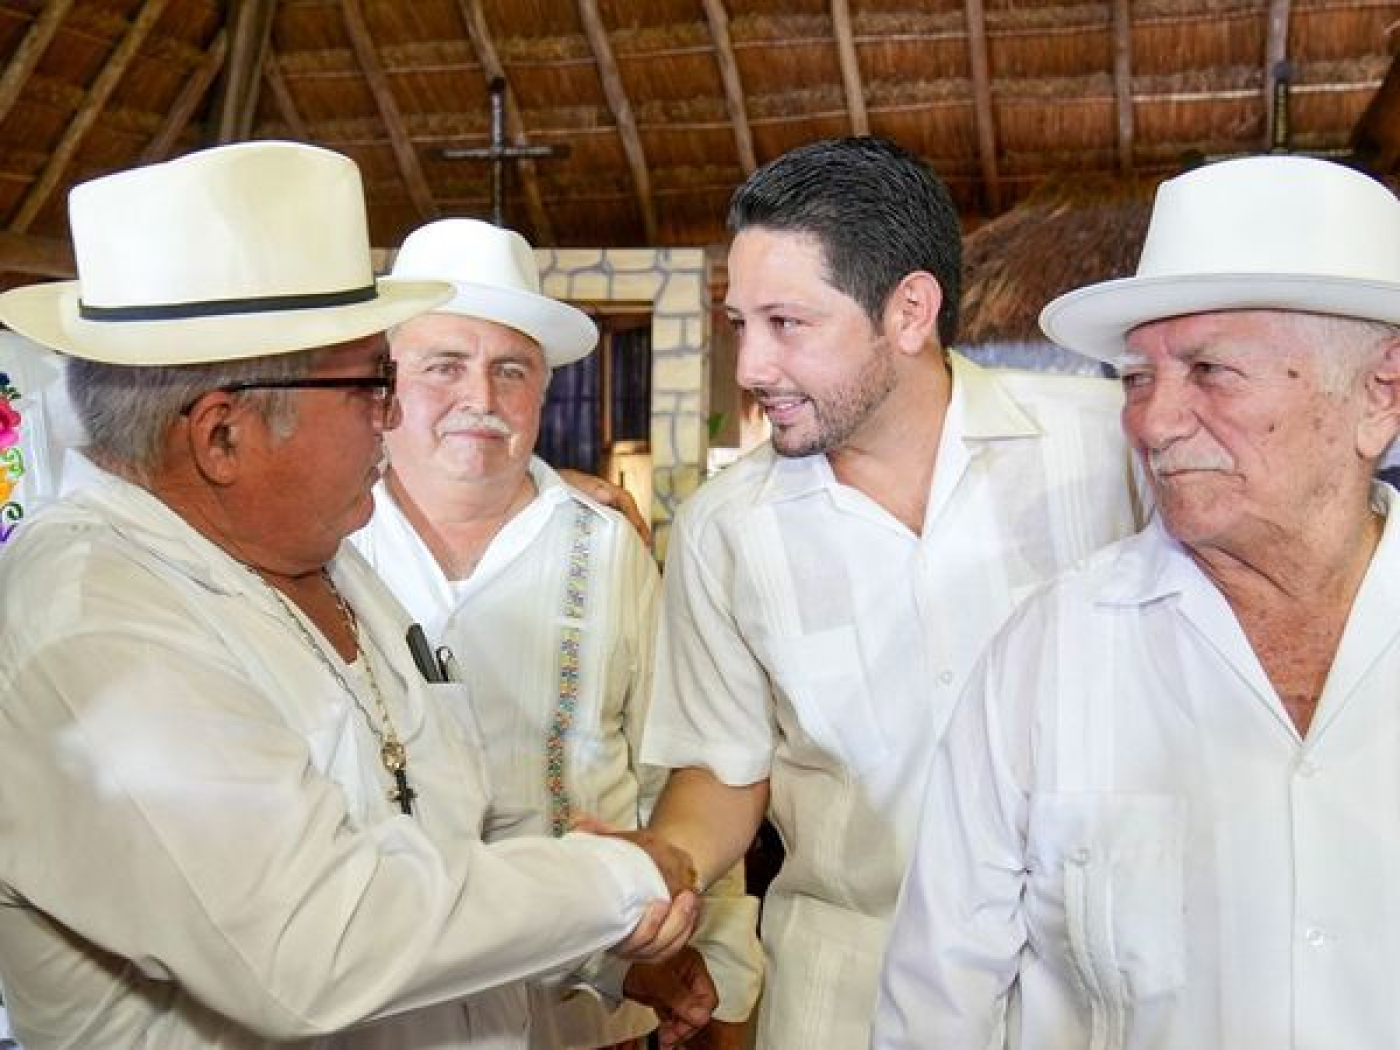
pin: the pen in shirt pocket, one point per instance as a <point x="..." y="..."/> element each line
<point x="447" y="664"/>
<point x="428" y="663"/>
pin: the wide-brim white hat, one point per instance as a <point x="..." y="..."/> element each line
<point x="234" y="252"/>
<point x="495" y="278"/>
<point x="1270" y="232"/>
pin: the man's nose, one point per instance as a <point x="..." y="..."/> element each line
<point x="756" y="366"/>
<point x="474" y="390"/>
<point x="392" y="415"/>
<point x="1161" y="414"/>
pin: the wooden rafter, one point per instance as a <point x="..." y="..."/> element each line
<point x="410" y="168"/>
<point x="982" y="103"/>
<point x="1275" y="55"/>
<point x="282" y="99"/>
<point x="718" y="18"/>
<point x="1376" y="138"/>
<point x="237" y="99"/>
<point x="31" y="49"/>
<point x="196" y="86"/>
<point x="850" y="66"/>
<point x="622" y="113"/>
<point x="38" y="256"/>
<point x="82" y="122"/>
<point x="1123" y="81"/>
<point x="484" y="44"/>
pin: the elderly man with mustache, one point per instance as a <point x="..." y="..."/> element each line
<point x="546" y="597"/>
<point x="1166" y="812"/>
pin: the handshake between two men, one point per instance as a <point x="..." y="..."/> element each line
<point x="666" y="973"/>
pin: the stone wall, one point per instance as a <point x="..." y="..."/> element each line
<point x="674" y="284"/>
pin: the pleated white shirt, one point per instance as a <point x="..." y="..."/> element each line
<point x="809" y="637"/>
<point x="1126" y="844"/>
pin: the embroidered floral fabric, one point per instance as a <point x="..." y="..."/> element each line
<point x="11" y="458"/>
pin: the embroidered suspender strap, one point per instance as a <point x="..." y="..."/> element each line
<point x="569" y="658"/>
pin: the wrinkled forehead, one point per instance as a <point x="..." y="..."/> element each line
<point x="1276" y="332"/>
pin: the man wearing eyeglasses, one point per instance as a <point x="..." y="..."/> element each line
<point x="238" y="812"/>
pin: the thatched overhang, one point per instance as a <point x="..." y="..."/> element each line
<point x="1061" y="237"/>
<point x="665" y="105"/>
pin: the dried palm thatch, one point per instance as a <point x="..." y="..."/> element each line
<point x="665" y="105"/>
<point x="1063" y="236"/>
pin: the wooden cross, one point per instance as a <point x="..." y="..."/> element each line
<point x="500" y="151"/>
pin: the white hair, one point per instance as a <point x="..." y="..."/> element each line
<point x="126" y="410"/>
<point x="1346" y="348"/>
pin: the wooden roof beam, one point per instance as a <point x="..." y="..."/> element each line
<point x="1376" y="138"/>
<point x="283" y="100"/>
<point x="982" y="103"/>
<point x="410" y="168"/>
<point x="484" y="44"/>
<point x="31" y="48"/>
<point x="82" y="122"/>
<point x="237" y="101"/>
<point x="718" y="18"/>
<point x="39" y="256"/>
<point x="622" y="113"/>
<point x="196" y="86"/>
<point x="1275" y="55"/>
<point x="1123" y="81"/>
<point x="850" y="66"/>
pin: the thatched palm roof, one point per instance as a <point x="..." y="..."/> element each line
<point x="666" y="104"/>
<point x="1064" y="236"/>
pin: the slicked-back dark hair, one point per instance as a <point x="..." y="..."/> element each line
<point x="879" y="212"/>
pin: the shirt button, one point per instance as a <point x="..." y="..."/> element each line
<point x="1315" y="937"/>
<point x="1307" y="768"/>
<point x="945" y="677"/>
<point x="1082" y="855"/>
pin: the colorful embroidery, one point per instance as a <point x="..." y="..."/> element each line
<point x="570" y="660"/>
<point x="11" y="458"/>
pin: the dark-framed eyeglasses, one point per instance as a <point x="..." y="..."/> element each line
<point x="381" y="388"/>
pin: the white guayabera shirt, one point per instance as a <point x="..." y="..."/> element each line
<point x="1126" y="843"/>
<point x="197" y="846"/>
<point x="504" y="624"/>
<point x="809" y="637"/>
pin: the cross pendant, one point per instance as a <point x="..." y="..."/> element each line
<point x="403" y="792"/>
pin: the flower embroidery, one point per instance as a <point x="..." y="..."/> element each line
<point x="9" y="418"/>
<point x="11" y="459"/>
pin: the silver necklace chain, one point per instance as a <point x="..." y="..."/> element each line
<point x="392" y="754"/>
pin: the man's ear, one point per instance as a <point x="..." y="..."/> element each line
<point x="911" y="313"/>
<point x="216" y="425"/>
<point x="1380" y="422"/>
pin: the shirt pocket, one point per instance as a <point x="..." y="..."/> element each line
<point x="1107" y="892"/>
<point x="823" y="677"/>
<point x="450" y="708"/>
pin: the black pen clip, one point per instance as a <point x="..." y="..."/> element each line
<point x="447" y="664"/>
<point x="423" y="657"/>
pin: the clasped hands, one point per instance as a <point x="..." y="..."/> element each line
<point x="666" y="926"/>
<point x="666" y="975"/>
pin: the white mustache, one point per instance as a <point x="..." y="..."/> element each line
<point x="1173" y="461"/>
<point x="474" y="421"/>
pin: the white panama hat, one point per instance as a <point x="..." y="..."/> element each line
<point x="494" y="277"/>
<point x="1271" y="232"/>
<point x="233" y="252"/>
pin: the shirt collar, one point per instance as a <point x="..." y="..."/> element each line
<point x="980" y="409"/>
<point x="143" y="519"/>
<point x="982" y="405"/>
<point x="1153" y="565"/>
